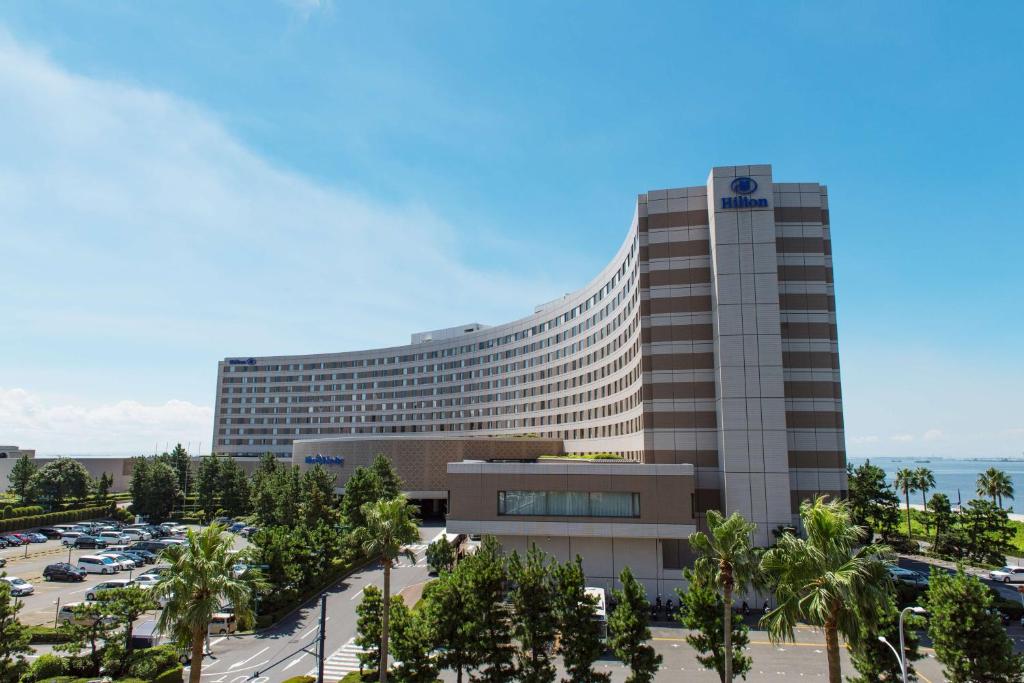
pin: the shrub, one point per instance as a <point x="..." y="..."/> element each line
<point x="300" y="679"/>
<point x="148" y="663"/>
<point x="47" y="666"/>
<point x="354" y="677"/>
<point x="175" y="675"/>
<point x="47" y="635"/>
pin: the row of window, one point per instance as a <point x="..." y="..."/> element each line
<point x="568" y="504"/>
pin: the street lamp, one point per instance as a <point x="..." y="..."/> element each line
<point x="902" y="654"/>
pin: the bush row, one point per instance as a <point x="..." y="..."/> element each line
<point x="49" y="518"/>
<point x="339" y="572"/>
<point x="47" y="635"/>
<point x="23" y="511"/>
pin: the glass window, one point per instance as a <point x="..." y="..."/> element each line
<point x="569" y="504"/>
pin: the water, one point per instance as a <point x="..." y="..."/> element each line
<point x="952" y="474"/>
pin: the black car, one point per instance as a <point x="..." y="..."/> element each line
<point x="49" y="532"/>
<point x="90" y="542"/>
<point x="13" y="540"/>
<point x="4" y="542"/>
<point x="151" y="546"/>
<point x="62" y="571"/>
<point x="140" y="559"/>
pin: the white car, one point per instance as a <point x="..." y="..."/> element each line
<point x="136" y="534"/>
<point x="1007" y="575"/>
<point x="146" y="580"/>
<point x="106" y="586"/>
<point x="123" y="563"/>
<point x="19" y="587"/>
<point x="95" y="564"/>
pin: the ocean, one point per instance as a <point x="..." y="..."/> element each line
<point x="953" y="475"/>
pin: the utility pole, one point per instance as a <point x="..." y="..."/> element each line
<point x="321" y="640"/>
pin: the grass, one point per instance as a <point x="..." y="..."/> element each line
<point x="583" y="456"/>
<point x="922" y="533"/>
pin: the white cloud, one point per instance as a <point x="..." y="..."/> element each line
<point x="141" y="241"/>
<point x="902" y="438"/>
<point x="933" y="435"/>
<point x="125" y="427"/>
<point x="871" y="438"/>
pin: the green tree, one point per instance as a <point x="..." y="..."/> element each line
<point x="368" y="628"/>
<point x="726" y="557"/>
<point x="14" y="637"/>
<point x="234" y="488"/>
<point x="103" y="485"/>
<point x="872" y="658"/>
<point x="390" y="526"/>
<point x="21" y="476"/>
<point x="262" y="497"/>
<point x="702" y="610"/>
<point x="579" y="640"/>
<point x="181" y="462"/>
<point x="441" y="556"/>
<point x="924" y="481"/>
<point x="88" y="629"/>
<point x="59" y="480"/>
<point x="967" y="634"/>
<point x="446" y="604"/>
<point x="534" y="624"/>
<point x="159" y="492"/>
<point x="197" y="582"/>
<point x="906" y="481"/>
<point x="318" y="499"/>
<point x="940" y="515"/>
<point x="490" y="629"/>
<point x="996" y="484"/>
<point x="127" y="605"/>
<point x="412" y="641"/>
<point x="379" y="481"/>
<point x="628" y="632"/>
<point x="873" y="504"/>
<point x="208" y="484"/>
<point x="828" y="580"/>
<point x="388" y="482"/>
<point x="986" y="532"/>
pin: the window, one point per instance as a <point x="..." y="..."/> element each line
<point x="569" y="503"/>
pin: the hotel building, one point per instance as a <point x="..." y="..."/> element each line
<point x="704" y="354"/>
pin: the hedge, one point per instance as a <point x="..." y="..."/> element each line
<point x="24" y="511"/>
<point x="328" y="578"/>
<point x="175" y="675"/>
<point x="43" y="635"/>
<point x="300" y="679"/>
<point x="50" y="518"/>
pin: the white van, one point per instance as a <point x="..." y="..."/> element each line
<point x="113" y="537"/>
<point x="222" y="623"/>
<point x="135" y="534"/>
<point x="95" y="564"/>
<point x="68" y="538"/>
<point x="64" y="528"/>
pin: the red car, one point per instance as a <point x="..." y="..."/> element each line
<point x="24" y="538"/>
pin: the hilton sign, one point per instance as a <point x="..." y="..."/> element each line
<point x="743" y="186"/>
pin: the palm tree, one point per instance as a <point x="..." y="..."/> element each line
<point x="906" y="481"/>
<point x="924" y="481"/>
<point x="727" y="555"/>
<point x="996" y="484"/>
<point x="196" y="584"/>
<point x="828" y="579"/>
<point x="390" y="525"/>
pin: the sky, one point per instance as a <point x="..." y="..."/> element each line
<point x="186" y="181"/>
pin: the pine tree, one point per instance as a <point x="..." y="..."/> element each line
<point x="872" y="658"/>
<point x="388" y="482"/>
<point x="489" y="628"/>
<point x="318" y="499"/>
<point x="412" y="645"/>
<point x="534" y="624"/>
<point x="447" y="607"/>
<point x="968" y="636"/>
<point x="579" y="641"/>
<point x="14" y="637"/>
<point x="207" y="486"/>
<point x="181" y="462"/>
<point x="440" y="556"/>
<point x="368" y="626"/>
<point x="701" y="610"/>
<point x="234" y="489"/>
<point x="628" y="632"/>
<point x="20" y="477"/>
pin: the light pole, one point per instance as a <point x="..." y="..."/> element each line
<point x="902" y="654"/>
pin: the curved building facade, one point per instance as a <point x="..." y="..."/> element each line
<point x="709" y="341"/>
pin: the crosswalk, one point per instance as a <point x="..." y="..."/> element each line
<point x="344" y="660"/>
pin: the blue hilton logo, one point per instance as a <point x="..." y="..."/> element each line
<point x="743" y="186"/>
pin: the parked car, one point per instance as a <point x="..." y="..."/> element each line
<point x="89" y="542"/>
<point x="13" y="540"/>
<point x="62" y="571"/>
<point x="222" y="624"/>
<point x="19" y="587"/>
<point x="37" y="537"/>
<point x="154" y="571"/>
<point x="3" y="562"/>
<point x="146" y="580"/>
<point x="908" y="577"/>
<point x="69" y="537"/>
<point x="94" y="564"/>
<point x="152" y="546"/>
<point x="4" y="542"/>
<point x="147" y="557"/>
<point x="236" y="527"/>
<point x="123" y="562"/>
<point x="223" y="521"/>
<point x="107" y="586"/>
<point x="49" y="532"/>
<point x="239" y="570"/>
<point x="67" y="613"/>
<point x="248" y="531"/>
<point x="137" y="557"/>
<point x="113" y="537"/>
<point x="136" y="534"/>
<point x="1007" y="575"/>
<point x="25" y="538"/>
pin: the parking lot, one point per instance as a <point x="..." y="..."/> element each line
<point x="28" y="562"/>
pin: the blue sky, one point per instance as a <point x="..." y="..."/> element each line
<point x="185" y="181"/>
